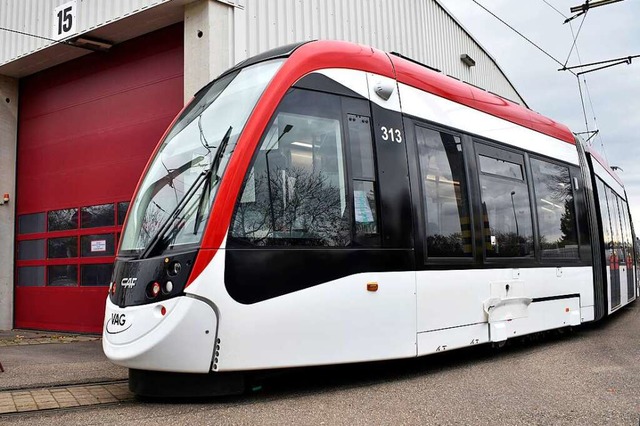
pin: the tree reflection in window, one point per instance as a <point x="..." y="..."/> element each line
<point x="506" y="212"/>
<point x="295" y="193"/>
<point x="61" y="220"/>
<point x="445" y="194"/>
<point x="556" y="212"/>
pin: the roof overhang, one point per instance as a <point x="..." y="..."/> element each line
<point x="114" y="32"/>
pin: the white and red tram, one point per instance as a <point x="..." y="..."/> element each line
<point x="328" y="203"/>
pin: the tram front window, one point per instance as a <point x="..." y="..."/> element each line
<point x="173" y="202"/>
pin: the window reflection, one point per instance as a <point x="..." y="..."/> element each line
<point x="60" y="220"/>
<point x="63" y="275"/>
<point x="295" y="193"/>
<point x="96" y="216"/>
<point x="629" y="247"/>
<point x="606" y="218"/>
<point x="363" y="175"/>
<point x="63" y="247"/>
<point x="617" y="251"/>
<point x="96" y="275"/>
<point x="499" y="167"/>
<point x="364" y="203"/>
<point x="556" y="212"/>
<point x="506" y="214"/>
<point x="123" y="207"/>
<point x="445" y="194"/>
<point x="62" y="240"/>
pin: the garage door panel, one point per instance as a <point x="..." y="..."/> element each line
<point x="92" y="77"/>
<point x="106" y="168"/>
<point x="86" y="131"/>
<point x="120" y="110"/>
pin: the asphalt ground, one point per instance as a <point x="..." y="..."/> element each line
<point x="590" y="375"/>
<point x="45" y="364"/>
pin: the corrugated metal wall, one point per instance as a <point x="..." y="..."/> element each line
<point x="420" y="29"/>
<point x="36" y="17"/>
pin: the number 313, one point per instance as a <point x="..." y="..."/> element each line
<point x="391" y="134"/>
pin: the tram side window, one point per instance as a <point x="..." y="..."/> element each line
<point x="448" y="230"/>
<point x="628" y="237"/>
<point x="363" y="173"/>
<point x="506" y="212"/>
<point x="616" y="230"/>
<point x="582" y="214"/>
<point x="606" y="218"/>
<point x="295" y="194"/>
<point x="556" y="210"/>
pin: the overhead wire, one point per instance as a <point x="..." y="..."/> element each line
<point x="39" y="37"/>
<point x="595" y="132"/>
<point x="575" y="37"/>
<point x="595" y="120"/>
<point x="521" y="35"/>
<point x="554" y="8"/>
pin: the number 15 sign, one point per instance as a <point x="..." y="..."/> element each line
<point x="64" y="20"/>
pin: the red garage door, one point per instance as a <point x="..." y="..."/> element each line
<point x="86" y="131"/>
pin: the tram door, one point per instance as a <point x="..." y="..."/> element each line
<point x="629" y="289"/>
<point x="618" y="247"/>
<point x="618" y="269"/>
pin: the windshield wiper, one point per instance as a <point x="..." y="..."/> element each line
<point x="174" y="214"/>
<point x="205" y="176"/>
<point x="215" y="165"/>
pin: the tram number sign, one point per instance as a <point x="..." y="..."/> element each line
<point x="64" y="20"/>
<point x="391" y="134"/>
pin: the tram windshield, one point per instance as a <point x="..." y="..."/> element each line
<point x="172" y="205"/>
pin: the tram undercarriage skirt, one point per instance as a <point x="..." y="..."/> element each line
<point x="162" y="384"/>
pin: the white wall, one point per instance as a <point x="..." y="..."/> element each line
<point x="8" y="135"/>
<point x="420" y="29"/>
<point x="36" y="17"/>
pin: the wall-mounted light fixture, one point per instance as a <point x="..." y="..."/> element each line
<point x="5" y="199"/>
<point x="93" y="44"/>
<point x="467" y="60"/>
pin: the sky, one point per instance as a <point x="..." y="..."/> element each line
<point x="607" y="32"/>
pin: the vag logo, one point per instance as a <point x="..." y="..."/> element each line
<point x="115" y="324"/>
<point x="128" y="282"/>
<point x="118" y="319"/>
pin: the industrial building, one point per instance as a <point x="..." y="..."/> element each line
<point x="87" y="88"/>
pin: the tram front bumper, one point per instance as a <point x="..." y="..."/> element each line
<point x="178" y="338"/>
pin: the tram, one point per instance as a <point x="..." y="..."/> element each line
<point x="327" y="203"/>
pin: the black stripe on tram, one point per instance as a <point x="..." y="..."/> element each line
<point x="547" y="299"/>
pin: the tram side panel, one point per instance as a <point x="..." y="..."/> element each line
<point x="475" y="240"/>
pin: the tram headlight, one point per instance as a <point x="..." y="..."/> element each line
<point x="174" y="268"/>
<point x="153" y="289"/>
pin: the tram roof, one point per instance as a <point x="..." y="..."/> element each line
<point x="422" y="77"/>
